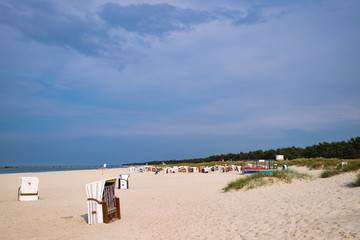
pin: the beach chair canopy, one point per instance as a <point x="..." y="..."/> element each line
<point x="124" y="176"/>
<point x="95" y="190"/>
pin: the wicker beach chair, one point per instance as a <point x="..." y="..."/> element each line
<point x="29" y="189"/>
<point x="103" y="205"/>
<point x="124" y="181"/>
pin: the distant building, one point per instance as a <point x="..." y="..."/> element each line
<point x="279" y="157"/>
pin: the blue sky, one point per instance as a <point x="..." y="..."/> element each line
<point x="88" y="82"/>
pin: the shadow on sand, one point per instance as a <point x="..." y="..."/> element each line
<point x="85" y="217"/>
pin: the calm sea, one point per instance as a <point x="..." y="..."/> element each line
<point x="32" y="169"/>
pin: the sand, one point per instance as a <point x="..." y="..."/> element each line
<point x="183" y="206"/>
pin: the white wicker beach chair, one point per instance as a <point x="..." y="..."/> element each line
<point x="206" y="169"/>
<point x="124" y="181"/>
<point x="29" y="189"/>
<point x="103" y="205"/>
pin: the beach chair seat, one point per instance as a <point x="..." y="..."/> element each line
<point x="28" y="189"/>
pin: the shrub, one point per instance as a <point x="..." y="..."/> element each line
<point x="357" y="182"/>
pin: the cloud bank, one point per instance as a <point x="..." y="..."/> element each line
<point x="229" y="76"/>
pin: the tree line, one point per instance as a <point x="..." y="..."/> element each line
<point x="344" y="150"/>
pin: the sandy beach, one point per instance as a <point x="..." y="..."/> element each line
<point x="183" y="206"/>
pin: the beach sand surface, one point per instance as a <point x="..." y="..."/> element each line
<point x="183" y="206"/>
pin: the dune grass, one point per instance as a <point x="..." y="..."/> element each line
<point x="317" y="163"/>
<point x="262" y="179"/>
<point x="339" y="169"/>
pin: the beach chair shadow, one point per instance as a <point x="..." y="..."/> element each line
<point x="85" y="217"/>
<point x="351" y="185"/>
<point x="28" y="189"/>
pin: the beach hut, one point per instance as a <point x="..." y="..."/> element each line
<point x="255" y="166"/>
<point x="28" y="189"/>
<point x="124" y="181"/>
<point x="103" y="205"/>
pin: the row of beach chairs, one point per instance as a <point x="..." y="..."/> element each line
<point x="183" y="169"/>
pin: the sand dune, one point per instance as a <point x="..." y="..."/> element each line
<point x="183" y="206"/>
